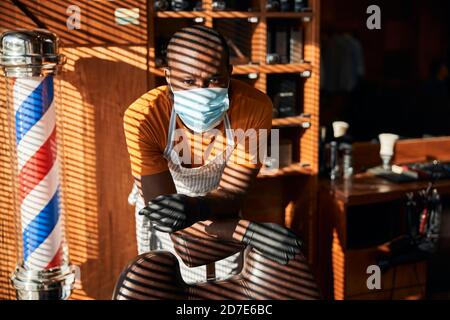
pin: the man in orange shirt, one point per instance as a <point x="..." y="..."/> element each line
<point x="176" y="192"/>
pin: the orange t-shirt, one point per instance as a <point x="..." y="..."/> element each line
<point x="146" y="124"/>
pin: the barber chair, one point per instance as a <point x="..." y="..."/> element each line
<point x="156" y="274"/>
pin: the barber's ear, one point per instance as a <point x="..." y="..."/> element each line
<point x="230" y="69"/>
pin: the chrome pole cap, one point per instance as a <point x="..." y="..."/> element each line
<point x="30" y="53"/>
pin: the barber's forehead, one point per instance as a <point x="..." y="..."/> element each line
<point x="196" y="48"/>
<point x="196" y="61"/>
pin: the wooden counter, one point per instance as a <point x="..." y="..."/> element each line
<point x="357" y="216"/>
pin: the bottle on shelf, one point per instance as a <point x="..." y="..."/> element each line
<point x="322" y="151"/>
<point x="219" y="5"/>
<point x="273" y="5"/>
<point x="346" y="151"/>
<point x="339" y="153"/>
<point x="162" y="5"/>
<point x="181" y="5"/>
<point x="333" y="162"/>
<point x="300" y="5"/>
<point x="285" y="5"/>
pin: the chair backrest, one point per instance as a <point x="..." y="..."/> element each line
<point x="156" y="275"/>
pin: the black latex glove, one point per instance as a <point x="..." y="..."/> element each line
<point x="175" y="212"/>
<point x="273" y="241"/>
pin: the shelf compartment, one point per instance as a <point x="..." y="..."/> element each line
<point x="239" y="34"/>
<point x="286" y="92"/>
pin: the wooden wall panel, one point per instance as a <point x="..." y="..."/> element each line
<point x="97" y="21"/>
<point x="99" y="84"/>
<point x="11" y="17"/>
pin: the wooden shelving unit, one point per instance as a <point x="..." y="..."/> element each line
<point x="310" y="69"/>
<point x="305" y="129"/>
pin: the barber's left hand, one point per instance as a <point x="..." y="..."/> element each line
<point x="170" y="213"/>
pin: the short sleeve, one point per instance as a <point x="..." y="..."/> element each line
<point x="143" y="135"/>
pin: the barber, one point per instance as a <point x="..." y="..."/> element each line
<point x="175" y="194"/>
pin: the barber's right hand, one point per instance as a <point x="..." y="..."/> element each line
<point x="273" y="241"/>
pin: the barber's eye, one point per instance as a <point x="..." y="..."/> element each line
<point x="188" y="82"/>
<point x="214" y="80"/>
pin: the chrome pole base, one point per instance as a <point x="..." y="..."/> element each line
<point x="52" y="284"/>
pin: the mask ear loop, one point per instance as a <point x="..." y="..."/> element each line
<point x="166" y="74"/>
<point x="229" y="82"/>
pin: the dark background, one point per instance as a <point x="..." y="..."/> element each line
<point x="392" y="95"/>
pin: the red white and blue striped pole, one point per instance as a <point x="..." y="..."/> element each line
<point x="30" y="60"/>
<point x="35" y="123"/>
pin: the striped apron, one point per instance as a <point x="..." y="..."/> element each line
<point x="193" y="182"/>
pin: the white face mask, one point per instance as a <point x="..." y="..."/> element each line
<point x="201" y="109"/>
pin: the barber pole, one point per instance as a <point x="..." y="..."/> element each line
<point x="35" y="123"/>
<point x="30" y="61"/>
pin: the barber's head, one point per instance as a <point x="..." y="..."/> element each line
<point x="198" y="57"/>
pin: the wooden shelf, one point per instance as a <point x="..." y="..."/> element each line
<point x="296" y="121"/>
<point x="285" y="68"/>
<point x="208" y="14"/>
<point x="181" y="14"/>
<point x="293" y="169"/>
<point x="246" y="68"/>
<point x="231" y="14"/>
<point x="234" y="14"/>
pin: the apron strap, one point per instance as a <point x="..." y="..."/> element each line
<point x="228" y="130"/>
<point x="172" y="124"/>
